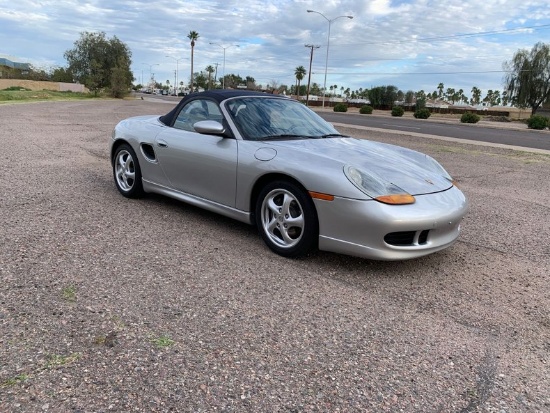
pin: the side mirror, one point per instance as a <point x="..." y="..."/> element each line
<point x="209" y="127"/>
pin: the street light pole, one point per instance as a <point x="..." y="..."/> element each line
<point x="328" y="45"/>
<point x="177" y="71"/>
<point x="151" y="70"/>
<point x="224" y="48"/>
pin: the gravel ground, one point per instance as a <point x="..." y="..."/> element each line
<point x="116" y="305"/>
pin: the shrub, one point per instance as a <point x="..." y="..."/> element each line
<point x="469" y="117"/>
<point x="340" y="107"/>
<point x="397" y="111"/>
<point x="365" y="110"/>
<point x="16" y="89"/>
<point x="537" y="122"/>
<point x="422" y="113"/>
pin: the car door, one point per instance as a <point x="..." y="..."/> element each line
<point x="201" y="165"/>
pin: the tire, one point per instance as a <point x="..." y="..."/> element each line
<point x="286" y="219"/>
<point x="127" y="172"/>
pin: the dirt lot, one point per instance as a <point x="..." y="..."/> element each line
<point x="109" y="304"/>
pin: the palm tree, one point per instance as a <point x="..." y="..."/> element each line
<point x="440" y="88"/>
<point x="299" y="72"/>
<point x="193" y="36"/>
<point x="210" y="69"/>
<point x="449" y="95"/>
<point x="476" y="96"/>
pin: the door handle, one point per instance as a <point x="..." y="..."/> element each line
<point x="162" y="144"/>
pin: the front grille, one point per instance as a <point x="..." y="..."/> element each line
<point x="407" y="238"/>
<point x="400" y="238"/>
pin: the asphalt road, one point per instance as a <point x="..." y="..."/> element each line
<point x="490" y="132"/>
<point x="496" y="133"/>
<point x="116" y="305"/>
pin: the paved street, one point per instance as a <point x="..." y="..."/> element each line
<point x="514" y="134"/>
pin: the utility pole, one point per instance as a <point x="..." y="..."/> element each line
<point x="309" y="74"/>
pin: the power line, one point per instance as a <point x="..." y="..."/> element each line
<point x="450" y="37"/>
<point x="417" y="73"/>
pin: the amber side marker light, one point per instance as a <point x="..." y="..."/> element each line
<point x="400" y="199"/>
<point x="319" y="195"/>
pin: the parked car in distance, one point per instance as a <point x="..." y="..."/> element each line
<point x="270" y="161"/>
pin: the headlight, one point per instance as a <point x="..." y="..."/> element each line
<point x="378" y="189"/>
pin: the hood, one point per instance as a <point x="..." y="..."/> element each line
<point x="414" y="172"/>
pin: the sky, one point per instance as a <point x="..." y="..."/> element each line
<point x="412" y="44"/>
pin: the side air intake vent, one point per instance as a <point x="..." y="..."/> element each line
<point x="148" y="152"/>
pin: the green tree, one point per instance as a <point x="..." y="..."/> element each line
<point x="440" y="88"/>
<point x="492" y="98"/>
<point x="119" y="84"/>
<point x="476" y="96"/>
<point x="528" y="77"/>
<point x="93" y="61"/>
<point x="450" y="94"/>
<point x="61" y="74"/>
<point x="231" y="81"/>
<point x="35" y="73"/>
<point x="315" y="89"/>
<point x="409" y="97"/>
<point x="299" y="72"/>
<point x="421" y="97"/>
<point x="461" y="96"/>
<point x="383" y="96"/>
<point x="193" y="36"/>
<point x="210" y="69"/>
<point x="400" y="96"/>
<point x="200" y="80"/>
<point x="250" y="82"/>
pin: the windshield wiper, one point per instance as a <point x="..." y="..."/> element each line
<point x="293" y="136"/>
<point x="283" y="137"/>
<point x="333" y="135"/>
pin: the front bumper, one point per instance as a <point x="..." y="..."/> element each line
<point x="359" y="227"/>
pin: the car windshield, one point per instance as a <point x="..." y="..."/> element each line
<point x="265" y="118"/>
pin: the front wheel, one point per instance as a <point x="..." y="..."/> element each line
<point x="127" y="172"/>
<point x="286" y="219"/>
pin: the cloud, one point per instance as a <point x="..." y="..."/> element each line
<point x="413" y="44"/>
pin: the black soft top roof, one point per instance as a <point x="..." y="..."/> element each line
<point x="218" y="95"/>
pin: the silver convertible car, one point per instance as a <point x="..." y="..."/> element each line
<point x="270" y="161"/>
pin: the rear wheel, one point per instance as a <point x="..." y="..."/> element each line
<point x="286" y="219"/>
<point x="127" y="172"/>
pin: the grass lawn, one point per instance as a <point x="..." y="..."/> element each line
<point x="12" y="95"/>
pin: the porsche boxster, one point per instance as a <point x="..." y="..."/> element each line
<point x="270" y="161"/>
